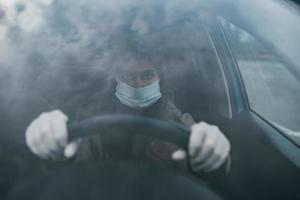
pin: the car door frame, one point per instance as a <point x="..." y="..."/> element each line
<point x="239" y="98"/>
<point x="278" y="150"/>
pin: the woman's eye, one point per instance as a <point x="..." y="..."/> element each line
<point x="147" y="75"/>
<point x="126" y="76"/>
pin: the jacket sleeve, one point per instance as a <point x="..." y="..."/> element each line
<point x="90" y="148"/>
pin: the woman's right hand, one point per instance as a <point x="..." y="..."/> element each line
<point x="47" y="136"/>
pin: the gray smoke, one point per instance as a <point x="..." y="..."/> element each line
<point x="56" y="54"/>
<point x="53" y="52"/>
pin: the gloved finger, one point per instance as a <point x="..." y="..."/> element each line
<point x="43" y="137"/>
<point x="208" y="165"/>
<point x="57" y="137"/>
<point x="72" y="148"/>
<point x="59" y="128"/>
<point x="223" y="154"/>
<point x="211" y="161"/>
<point x="201" y="158"/>
<point x="196" y="140"/>
<point x="31" y="137"/>
<point x="207" y="150"/>
<point x="179" y="155"/>
<point x="218" y="163"/>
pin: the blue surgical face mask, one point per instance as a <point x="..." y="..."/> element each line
<point x="138" y="98"/>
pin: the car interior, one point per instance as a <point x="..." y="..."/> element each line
<point x="193" y="78"/>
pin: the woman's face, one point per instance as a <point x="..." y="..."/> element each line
<point x="138" y="75"/>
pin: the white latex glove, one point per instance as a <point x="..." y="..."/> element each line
<point x="47" y="136"/>
<point x="208" y="148"/>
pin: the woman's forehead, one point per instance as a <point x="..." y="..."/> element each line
<point x="137" y="67"/>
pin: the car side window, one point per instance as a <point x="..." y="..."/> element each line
<point x="273" y="91"/>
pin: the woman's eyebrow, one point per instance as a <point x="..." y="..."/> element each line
<point x="147" y="71"/>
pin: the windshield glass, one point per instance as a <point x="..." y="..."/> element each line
<point x="73" y="58"/>
<point x="155" y="59"/>
<point x="145" y="59"/>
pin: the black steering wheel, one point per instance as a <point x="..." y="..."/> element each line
<point x="111" y="179"/>
<point x="105" y="124"/>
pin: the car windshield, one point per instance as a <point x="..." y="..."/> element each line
<point x="72" y="58"/>
<point x="87" y="58"/>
